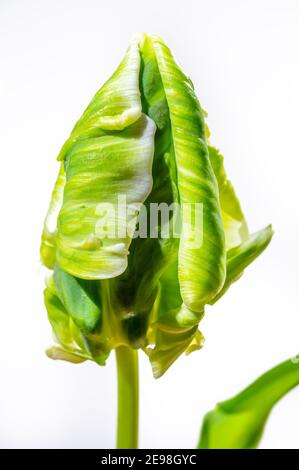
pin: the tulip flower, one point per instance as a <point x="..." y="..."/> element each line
<point x="122" y="278"/>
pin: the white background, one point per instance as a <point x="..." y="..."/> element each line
<point x="243" y="59"/>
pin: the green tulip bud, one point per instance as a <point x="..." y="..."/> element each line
<point x="121" y="276"/>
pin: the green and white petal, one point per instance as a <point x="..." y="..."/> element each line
<point x="115" y="106"/>
<point x="96" y="225"/>
<point x="80" y="298"/>
<point x="48" y="245"/>
<point x="234" y="223"/>
<point x="202" y="249"/>
<point x="174" y="323"/>
<point x="58" y="353"/>
<point x="67" y="335"/>
<point x="241" y="256"/>
<point x="142" y="139"/>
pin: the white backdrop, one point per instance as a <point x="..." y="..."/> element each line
<point x="243" y="59"/>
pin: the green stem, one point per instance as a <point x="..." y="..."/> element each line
<point x="128" y="398"/>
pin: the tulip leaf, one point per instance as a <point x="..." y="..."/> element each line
<point x="201" y="266"/>
<point x="239" y="423"/>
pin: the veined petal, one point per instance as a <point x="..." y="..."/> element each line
<point x="73" y="307"/>
<point x="174" y="321"/>
<point x="234" y="223"/>
<point x="142" y="139"/>
<point x="48" y="245"/>
<point x="59" y="319"/>
<point x="58" y="353"/>
<point x="238" y="423"/>
<point x="94" y="221"/>
<point x="174" y="325"/>
<point x="202" y="249"/>
<point x="241" y="256"/>
<point x="115" y="106"/>
<point x="66" y="333"/>
<point x="80" y="299"/>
